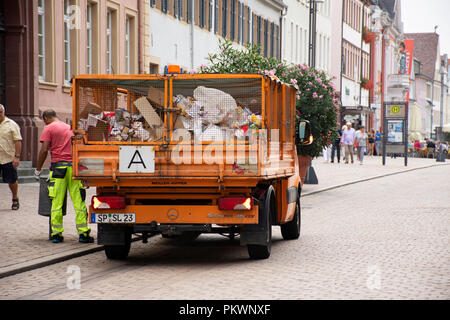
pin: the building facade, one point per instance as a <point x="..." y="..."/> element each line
<point x="355" y="62"/>
<point x="185" y="32"/>
<point x="48" y="42"/>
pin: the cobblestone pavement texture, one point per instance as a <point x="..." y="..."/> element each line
<point x="385" y="238"/>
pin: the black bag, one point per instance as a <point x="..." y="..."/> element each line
<point x="45" y="203"/>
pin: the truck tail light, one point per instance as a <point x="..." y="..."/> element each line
<point x="235" y="203"/>
<point x="99" y="202"/>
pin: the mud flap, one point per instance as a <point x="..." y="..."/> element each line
<point x="112" y="235"/>
<point x="259" y="234"/>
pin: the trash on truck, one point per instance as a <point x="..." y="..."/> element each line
<point x="210" y="114"/>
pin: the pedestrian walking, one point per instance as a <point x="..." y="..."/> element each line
<point x="371" y="146"/>
<point x="326" y="153"/>
<point x="347" y="140"/>
<point x="57" y="138"/>
<point x="336" y="148"/>
<point x="361" y="138"/>
<point x="10" y="149"/>
<point x="378" y="142"/>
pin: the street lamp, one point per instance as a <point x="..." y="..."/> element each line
<point x="311" y="177"/>
<point x="440" y="157"/>
<point x="312" y="31"/>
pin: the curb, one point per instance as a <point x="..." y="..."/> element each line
<point x="49" y="260"/>
<point x="45" y="261"/>
<point x="368" y="179"/>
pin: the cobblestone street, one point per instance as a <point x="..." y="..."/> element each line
<point x="386" y="238"/>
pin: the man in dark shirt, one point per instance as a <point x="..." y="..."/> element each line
<point x="430" y="144"/>
<point x="336" y="147"/>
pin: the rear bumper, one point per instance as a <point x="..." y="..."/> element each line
<point x="186" y="214"/>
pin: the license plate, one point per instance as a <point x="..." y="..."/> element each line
<point x="113" y="218"/>
<point x="136" y="159"/>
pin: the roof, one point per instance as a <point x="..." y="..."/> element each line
<point x="425" y="50"/>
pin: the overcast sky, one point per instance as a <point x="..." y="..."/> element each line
<point x="423" y="15"/>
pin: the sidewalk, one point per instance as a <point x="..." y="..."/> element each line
<point x="25" y="233"/>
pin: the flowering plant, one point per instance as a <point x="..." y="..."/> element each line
<point x="316" y="102"/>
<point x="316" y="99"/>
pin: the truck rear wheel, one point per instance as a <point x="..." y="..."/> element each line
<point x="119" y="252"/>
<point x="262" y="251"/>
<point x="291" y="229"/>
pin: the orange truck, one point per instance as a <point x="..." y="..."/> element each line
<point x="185" y="154"/>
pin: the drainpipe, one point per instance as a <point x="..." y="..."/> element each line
<point x="192" y="33"/>
<point x="140" y="32"/>
<point x="282" y="14"/>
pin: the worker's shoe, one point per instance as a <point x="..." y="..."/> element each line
<point x="85" y="238"/>
<point x="57" y="238"/>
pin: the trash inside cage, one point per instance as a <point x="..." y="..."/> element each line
<point x="135" y="110"/>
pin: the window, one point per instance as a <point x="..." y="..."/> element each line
<point x="41" y="39"/>
<point x="258" y="30"/>
<point x="165" y="6"/>
<point x="178" y="9"/>
<point x="233" y="20"/>
<point x="152" y="3"/>
<point x="216" y="16"/>
<point x="89" y="38"/>
<point x="224" y="17"/>
<point x="109" y="42"/>
<point x="272" y="40"/>
<point x="239" y="22"/>
<point x="67" y="71"/>
<point x="210" y="15"/>
<point x="202" y="13"/>
<point x="249" y="25"/>
<point x="189" y="13"/>
<point x="429" y="91"/>
<point x="266" y="38"/>
<point x="153" y="68"/>
<point x="127" y="46"/>
<point x="352" y="58"/>
<point x="365" y="65"/>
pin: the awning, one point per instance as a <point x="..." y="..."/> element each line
<point x="415" y="136"/>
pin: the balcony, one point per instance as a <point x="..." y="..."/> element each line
<point x="398" y="81"/>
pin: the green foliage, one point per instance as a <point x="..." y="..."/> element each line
<point x="316" y="99"/>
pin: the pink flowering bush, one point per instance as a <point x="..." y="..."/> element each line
<point x="317" y="102"/>
<point x="316" y="98"/>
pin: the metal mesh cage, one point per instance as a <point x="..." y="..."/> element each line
<point x="218" y="109"/>
<point x="121" y="109"/>
<point x="142" y="110"/>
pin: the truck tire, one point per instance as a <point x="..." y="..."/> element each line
<point x="291" y="229"/>
<point x="262" y="251"/>
<point x="119" y="252"/>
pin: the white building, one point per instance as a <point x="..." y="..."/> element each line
<point x="355" y="62"/>
<point x="184" y="32"/>
<point x="295" y="34"/>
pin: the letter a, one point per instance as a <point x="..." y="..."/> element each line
<point x="137" y="162"/>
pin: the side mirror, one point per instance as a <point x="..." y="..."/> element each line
<point x="304" y="133"/>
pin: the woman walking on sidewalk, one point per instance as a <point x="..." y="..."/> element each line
<point x="361" y="139"/>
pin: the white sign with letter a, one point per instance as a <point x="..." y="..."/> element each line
<point x="136" y="159"/>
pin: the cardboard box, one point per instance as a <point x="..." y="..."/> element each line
<point x="152" y="118"/>
<point x="91" y="108"/>
<point x="156" y="96"/>
<point x="99" y="132"/>
<point x="178" y="123"/>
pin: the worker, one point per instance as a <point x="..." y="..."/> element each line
<point x="57" y="137"/>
